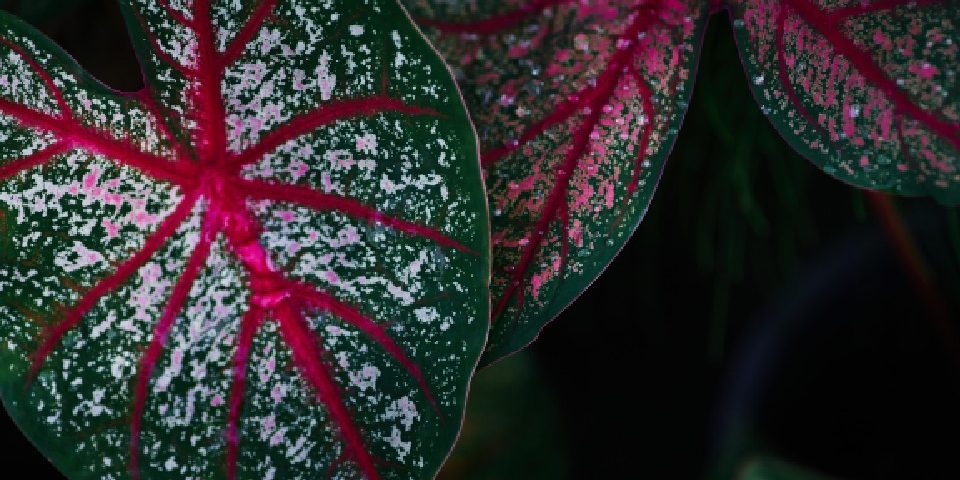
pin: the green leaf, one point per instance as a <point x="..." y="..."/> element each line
<point x="270" y="263"/>
<point x="577" y="105"/>
<point x="868" y="91"/>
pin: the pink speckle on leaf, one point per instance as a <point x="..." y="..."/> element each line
<point x="276" y="394"/>
<point x="270" y="423"/>
<point x="540" y="279"/>
<point x="90" y="179"/>
<point x="143" y="219"/>
<point x="111" y="228"/>
<point x="924" y="70"/>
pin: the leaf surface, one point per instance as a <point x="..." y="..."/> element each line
<point x="867" y="90"/>
<point x="577" y="104"/>
<point x="269" y="263"/>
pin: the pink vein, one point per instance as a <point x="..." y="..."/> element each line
<point x="165" y="57"/>
<point x="326" y="115"/>
<point x="73" y="317"/>
<point x="75" y="135"/>
<point x="246" y="33"/>
<point x="496" y="23"/>
<point x="285" y="301"/>
<point x="315" y="200"/>
<point x="862" y="60"/>
<point x="33" y="160"/>
<point x="560" y="114"/>
<point x="148" y="361"/>
<point x="43" y="74"/>
<point x="241" y="229"/>
<point x="146" y="99"/>
<point x="175" y="14"/>
<point x="248" y="329"/>
<point x="784" y="75"/>
<point x="327" y="303"/>
<point x="209" y="94"/>
<point x="646" y="99"/>
<point x="606" y="83"/>
<point x="307" y="355"/>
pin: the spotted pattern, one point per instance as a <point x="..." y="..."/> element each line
<point x="577" y="104"/>
<point x="295" y="197"/>
<point x="866" y="90"/>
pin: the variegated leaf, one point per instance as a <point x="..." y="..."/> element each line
<point x="867" y="90"/>
<point x="577" y="104"/>
<point x="270" y="263"/>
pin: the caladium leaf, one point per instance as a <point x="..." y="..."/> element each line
<point x="577" y="104"/>
<point x="868" y="90"/>
<point x="269" y="263"/>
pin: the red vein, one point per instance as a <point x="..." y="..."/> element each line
<point x="326" y="115"/>
<point x="148" y="361"/>
<point x="325" y="302"/>
<point x="246" y="33"/>
<point x="35" y="159"/>
<point x="164" y="57"/>
<point x="75" y="135"/>
<point x="495" y="23"/>
<point x="175" y="14"/>
<point x="285" y="301"/>
<point x="861" y="59"/>
<point x="560" y="114"/>
<point x="313" y="199"/>
<point x="784" y="75"/>
<point x="209" y="95"/>
<point x="271" y="291"/>
<point x="248" y="328"/>
<point x="73" y="317"/>
<point x="646" y="100"/>
<point x="146" y="99"/>
<point x="307" y="357"/>
<point x="874" y="7"/>
<point x="605" y="85"/>
<point x="52" y="87"/>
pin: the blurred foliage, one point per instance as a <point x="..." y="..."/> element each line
<point x="745" y="192"/>
<point x="772" y="468"/>
<point x="511" y="429"/>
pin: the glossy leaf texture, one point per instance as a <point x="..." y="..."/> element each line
<point x="867" y="90"/>
<point x="577" y="105"/>
<point x="271" y="263"/>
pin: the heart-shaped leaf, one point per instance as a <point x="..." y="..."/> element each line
<point x="270" y="263"/>
<point x="577" y="104"/>
<point x="868" y="90"/>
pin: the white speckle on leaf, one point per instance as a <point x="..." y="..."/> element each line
<point x="366" y="378"/>
<point x="325" y="80"/>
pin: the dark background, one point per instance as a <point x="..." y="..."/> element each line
<point x="758" y="325"/>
